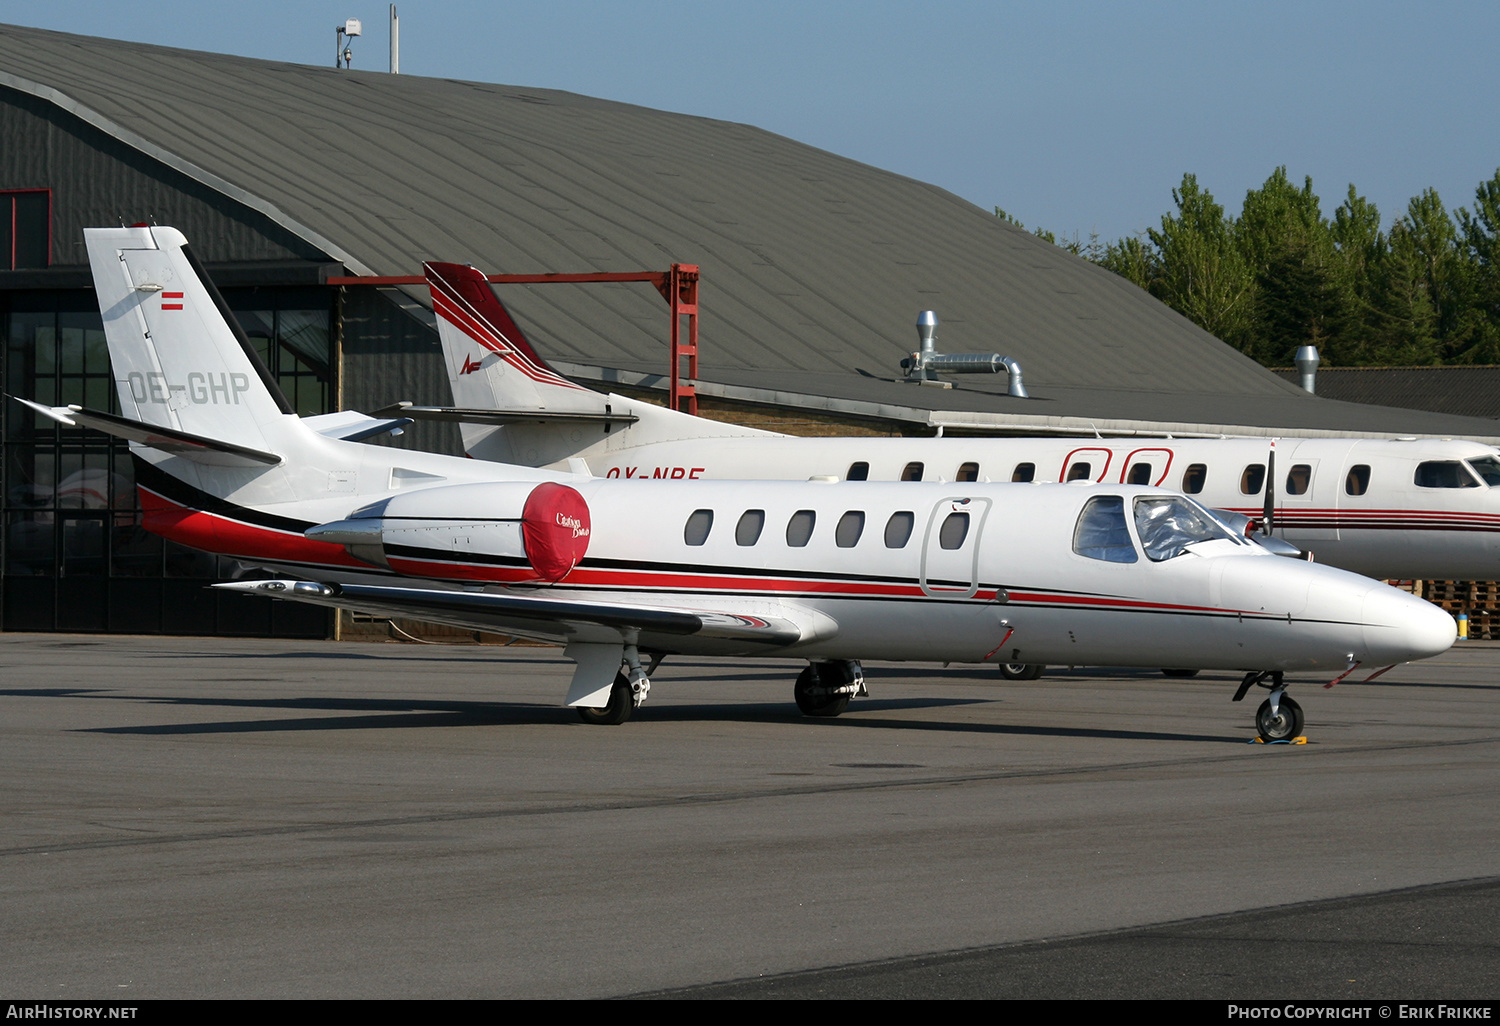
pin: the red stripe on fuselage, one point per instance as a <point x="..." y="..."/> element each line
<point x="215" y="533"/>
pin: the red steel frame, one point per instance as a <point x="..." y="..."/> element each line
<point x="678" y="286"/>
<point x="10" y="194"/>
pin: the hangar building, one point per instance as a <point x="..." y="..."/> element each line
<point x="286" y="176"/>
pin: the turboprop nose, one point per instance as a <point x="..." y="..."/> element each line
<point x="1400" y="627"/>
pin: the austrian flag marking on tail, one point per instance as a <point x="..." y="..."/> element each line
<point x="171" y="300"/>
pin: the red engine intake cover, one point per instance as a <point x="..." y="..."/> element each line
<point x="554" y="530"/>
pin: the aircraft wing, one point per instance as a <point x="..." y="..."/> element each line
<point x="561" y="619"/>
<point x="210" y="451"/>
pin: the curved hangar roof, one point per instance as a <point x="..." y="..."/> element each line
<point x="814" y="266"/>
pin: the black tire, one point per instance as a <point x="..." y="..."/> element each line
<point x="1021" y="671"/>
<point x="621" y="705"/>
<point x="1285" y="725"/>
<point x="1179" y="673"/>
<point x="812" y="681"/>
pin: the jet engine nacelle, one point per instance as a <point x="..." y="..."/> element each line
<point x="542" y="526"/>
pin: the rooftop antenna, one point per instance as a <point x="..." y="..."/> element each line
<point x="395" y="42"/>
<point x="350" y="28"/>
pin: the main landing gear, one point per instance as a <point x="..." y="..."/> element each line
<point x="824" y="689"/>
<point x="1279" y="718"/>
<point x="1021" y="671"/>
<point x="632" y="685"/>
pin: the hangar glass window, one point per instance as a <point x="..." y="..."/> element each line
<point x="1194" y="477"/>
<point x="1101" y="532"/>
<point x="954" y="530"/>
<point x="851" y="526"/>
<point x="1444" y="474"/>
<point x="858" y="472"/>
<point x="1252" y="479"/>
<point x="1488" y="468"/>
<point x="1080" y="471"/>
<point x="1024" y="472"/>
<point x="898" y="529"/>
<point x="1357" y="481"/>
<point x="25" y="229"/>
<point x="698" y="526"/>
<point x="747" y="531"/>
<point x="967" y="472"/>
<point x="1140" y="474"/>
<point x="912" y="472"/>
<point x="1168" y="525"/>
<point x="1298" y="478"/>
<point x="800" y="528"/>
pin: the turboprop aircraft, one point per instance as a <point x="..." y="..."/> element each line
<point x="1387" y="508"/>
<point x="625" y="574"/>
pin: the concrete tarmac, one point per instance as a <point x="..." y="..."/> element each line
<point x="203" y="818"/>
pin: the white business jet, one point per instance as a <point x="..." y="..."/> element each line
<point x="624" y="574"/>
<point x="1387" y="508"/>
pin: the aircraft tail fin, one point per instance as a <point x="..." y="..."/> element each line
<point x="179" y="358"/>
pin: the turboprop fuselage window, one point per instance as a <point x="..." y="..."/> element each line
<point x="954" y="530"/>
<point x="898" y="529"/>
<point x="858" y="472"/>
<point x="1168" y="525"/>
<point x="967" y="472"/>
<point x="747" y="531"/>
<point x="1140" y="474"/>
<point x="1101" y="532"/>
<point x="1444" y="474"/>
<point x="696" y="531"/>
<point x="800" y="528"/>
<point x="1488" y="468"/>
<point x="912" y="472"/>
<point x="1298" y="478"/>
<point x="1079" y="471"/>
<point x="1024" y="472"/>
<point x="1252" y="479"/>
<point x="1357" y="481"/>
<point x="1193" y="478"/>
<point x="851" y="526"/>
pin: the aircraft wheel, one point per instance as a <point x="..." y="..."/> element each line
<point x="810" y="684"/>
<point x="621" y="705"/>
<point x="1179" y="673"/>
<point x="1285" y="725"/>
<point x="1021" y="671"/>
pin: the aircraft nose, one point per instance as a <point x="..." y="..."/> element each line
<point x="1400" y="627"/>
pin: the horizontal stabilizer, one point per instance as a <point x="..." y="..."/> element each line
<point x="457" y="415"/>
<point x="209" y="451"/>
<point x="528" y="615"/>
<point x="350" y="426"/>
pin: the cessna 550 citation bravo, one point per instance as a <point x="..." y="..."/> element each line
<point x="624" y="574"/>
<point x="1388" y="508"/>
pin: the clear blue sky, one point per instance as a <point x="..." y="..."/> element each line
<point x="1073" y="116"/>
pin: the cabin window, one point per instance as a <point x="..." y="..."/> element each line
<point x="1252" y="479"/>
<point x="851" y="526"/>
<point x="800" y="528"/>
<point x="912" y="472"/>
<point x="967" y="472"/>
<point x="954" y="530"/>
<point x="1140" y="474"/>
<point x="1488" y="468"/>
<point x="1080" y="471"/>
<point x="698" y="525"/>
<point x="1298" y="478"/>
<point x="858" y="472"/>
<point x="1194" y="477"/>
<point x="898" y="529"/>
<point x="1168" y="525"/>
<point x="1444" y="474"/>
<point x="747" y="531"/>
<point x="1101" y="532"/>
<point x="1357" y="482"/>
<point x="1024" y="472"/>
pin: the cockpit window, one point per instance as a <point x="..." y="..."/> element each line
<point x="1444" y="474"/>
<point x="1168" y="525"/>
<point x="1488" y="468"/>
<point x="1101" y="532"/>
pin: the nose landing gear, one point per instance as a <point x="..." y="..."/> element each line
<point x="1279" y="717"/>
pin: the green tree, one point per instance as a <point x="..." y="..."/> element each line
<point x="1202" y="274"/>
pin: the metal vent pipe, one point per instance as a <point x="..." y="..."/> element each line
<point x="1307" y="368"/>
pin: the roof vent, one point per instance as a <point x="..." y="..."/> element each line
<point x="1307" y="368"/>
<point x="922" y="367"/>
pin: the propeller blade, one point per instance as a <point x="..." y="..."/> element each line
<point x="1269" y="512"/>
